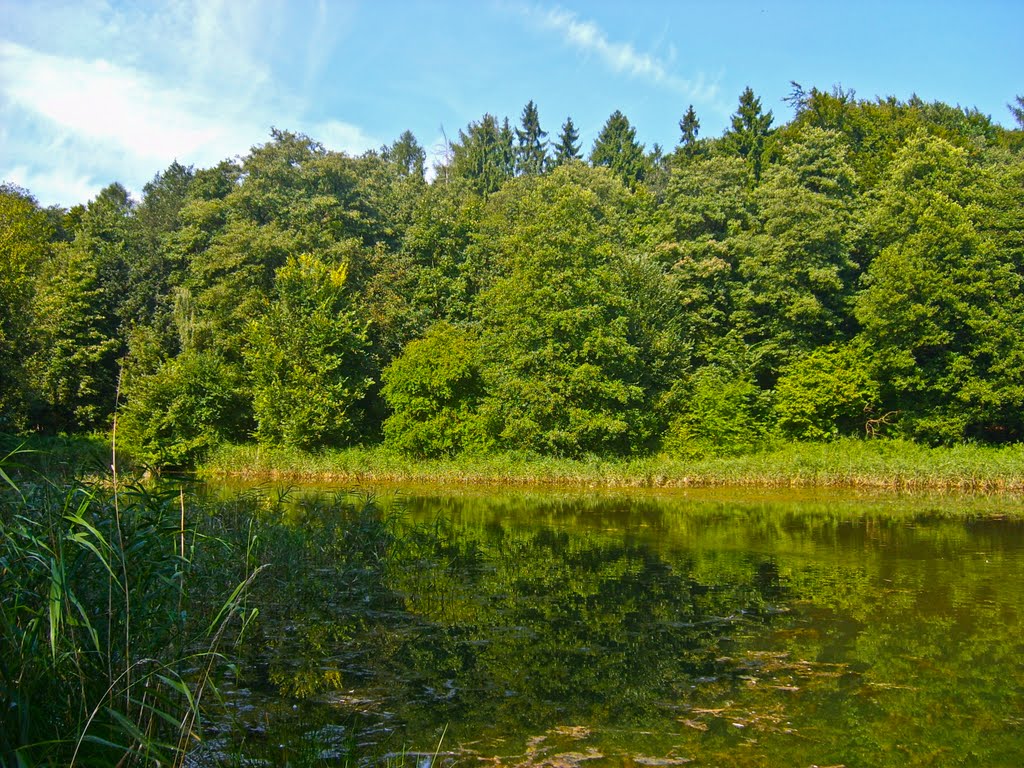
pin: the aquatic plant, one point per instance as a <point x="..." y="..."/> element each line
<point x="108" y="635"/>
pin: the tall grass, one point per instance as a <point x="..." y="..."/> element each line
<point x="110" y="625"/>
<point x="880" y="464"/>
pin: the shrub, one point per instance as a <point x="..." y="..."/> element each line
<point x="719" y="414"/>
<point x="433" y="389"/>
<point x="827" y="393"/>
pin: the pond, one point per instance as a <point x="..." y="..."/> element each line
<point x="699" y="628"/>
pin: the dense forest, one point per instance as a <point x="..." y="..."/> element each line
<point x="855" y="271"/>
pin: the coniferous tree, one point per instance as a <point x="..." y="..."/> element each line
<point x="484" y="155"/>
<point x="531" y="152"/>
<point x="508" y="149"/>
<point x="749" y="132"/>
<point x="689" y="127"/>
<point x="406" y="155"/>
<point x="568" y="146"/>
<point x="616" y="148"/>
<point x="1017" y="110"/>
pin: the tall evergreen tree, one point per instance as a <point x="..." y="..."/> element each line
<point x="616" y="148"/>
<point x="1017" y="110"/>
<point x="568" y="146"/>
<point x="508" y="148"/>
<point x="531" y="152"/>
<point x="406" y="155"/>
<point x="484" y="155"/>
<point x="689" y="127"/>
<point x="749" y="132"/>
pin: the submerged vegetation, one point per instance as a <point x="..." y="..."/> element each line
<point x="855" y="272"/>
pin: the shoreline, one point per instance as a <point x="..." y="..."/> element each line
<point x="895" y="466"/>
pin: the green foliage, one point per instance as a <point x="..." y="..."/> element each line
<point x="707" y="204"/>
<point x="156" y="268"/>
<point x="689" y="127"/>
<point x="407" y="156"/>
<point x="942" y="303"/>
<point x="749" y="132"/>
<point x="617" y="149"/>
<point x="177" y="413"/>
<point x="75" y="367"/>
<point x="827" y="393"/>
<point x="1017" y="110"/>
<point x="306" y="358"/>
<point x="718" y="412"/>
<point x="796" y="264"/>
<point x="562" y="362"/>
<point x="433" y="390"/>
<point x="567" y="148"/>
<point x="25" y="235"/>
<point x="440" y="241"/>
<point x="891" y="225"/>
<point x="531" y="150"/>
<point x="484" y="155"/>
<point x="111" y="617"/>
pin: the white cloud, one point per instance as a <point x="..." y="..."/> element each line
<point x="101" y="102"/>
<point x="190" y="81"/>
<point x="342" y="137"/>
<point x="50" y="186"/>
<point x="618" y="56"/>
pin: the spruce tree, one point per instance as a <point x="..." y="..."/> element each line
<point x="749" y="132"/>
<point x="531" y="153"/>
<point x="689" y="126"/>
<point x="617" y="149"/>
<point x="568" y="146"/>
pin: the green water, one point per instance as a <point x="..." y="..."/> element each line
<point x="586" y="629"/>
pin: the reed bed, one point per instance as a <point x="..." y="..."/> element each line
<point x="849" y="463"/>
<point x="114" y="605"/>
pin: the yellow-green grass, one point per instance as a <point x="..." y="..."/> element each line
<point x="879" y="464"/>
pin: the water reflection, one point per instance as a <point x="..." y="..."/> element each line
<point x="561" y="629"/>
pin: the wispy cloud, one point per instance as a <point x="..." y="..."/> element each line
<point x="98" y="101"/>
<point x="620" y="57"/>
<point x="199" y="95"/>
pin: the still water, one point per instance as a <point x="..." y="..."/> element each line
<point x="561" y="629"/>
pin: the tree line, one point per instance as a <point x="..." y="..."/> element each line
<point x="855" y="271"/>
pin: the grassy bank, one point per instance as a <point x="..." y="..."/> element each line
<point x="880" y="464"/>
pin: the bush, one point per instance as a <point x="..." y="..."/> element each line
<point x="174" y="416"/>
<point x="829" y="392"/>
<point x="719" y="415"/>
<point x="433" y="389"/>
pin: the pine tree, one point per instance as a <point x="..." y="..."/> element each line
<point x="1017" y="110"/>
<point x="531" y="154"/>
<point x="484" y="155"/>
<point x="406" y="155"/>
<point x="568" y="147"/>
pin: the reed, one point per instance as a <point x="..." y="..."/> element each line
<point x="108" y="639"/>
<point x="848" y="463"/>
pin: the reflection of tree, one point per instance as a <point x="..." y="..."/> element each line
<point x="748" y="634"/>
<point x="562" y="625"/>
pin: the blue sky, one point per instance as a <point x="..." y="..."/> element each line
<point x="96" y="91"/>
